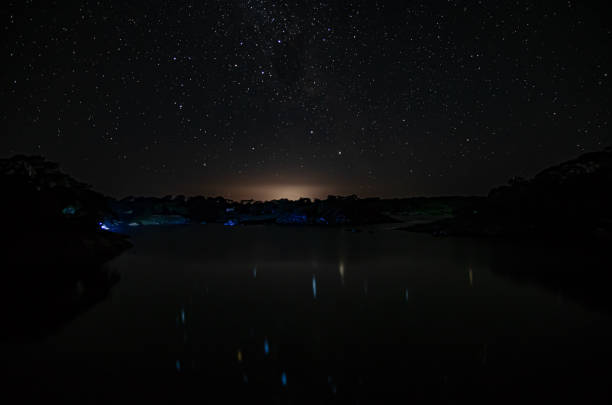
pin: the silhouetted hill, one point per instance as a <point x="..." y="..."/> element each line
<point x="571" y="200"/>
<point x="51" y="218"/>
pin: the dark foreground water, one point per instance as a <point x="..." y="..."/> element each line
<point x="267" y="314"/>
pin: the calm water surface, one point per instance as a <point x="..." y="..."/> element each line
<point x="311" y="315"/>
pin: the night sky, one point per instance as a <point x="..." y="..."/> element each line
<point x="266" y="99"/>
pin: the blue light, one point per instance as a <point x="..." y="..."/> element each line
<point x="178" y="366"/>
<point x="231" y="222"/>
<point x="183" y="316"/>
<point x="314" y="287"/>
<point x="104" y="227"/>
<point x="284" y="379"/>
<point x="266" y="347"/>
<point x="292" y="219"/>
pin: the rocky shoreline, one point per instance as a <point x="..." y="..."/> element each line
<point x="333" y="211"/>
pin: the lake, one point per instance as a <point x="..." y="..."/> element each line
<point x="321" y="315"/>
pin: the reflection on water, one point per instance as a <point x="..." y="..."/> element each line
<point x="193" y="315"/>
<point x="579" y="272"/>
<point x="284" y="379"/>
<point x="36" y="302"/>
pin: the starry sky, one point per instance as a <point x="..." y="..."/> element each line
<point x="267" y="99"/>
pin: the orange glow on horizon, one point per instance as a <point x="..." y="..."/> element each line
<point x="277" y="191"/>
<point x="270" y="191"/>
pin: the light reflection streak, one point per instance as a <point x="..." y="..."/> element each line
<point x="284" y="379"/>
